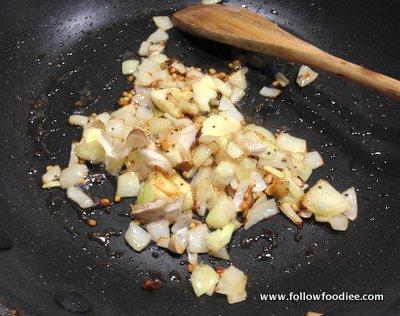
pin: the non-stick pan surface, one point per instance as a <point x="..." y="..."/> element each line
<point x="63" y="57"/>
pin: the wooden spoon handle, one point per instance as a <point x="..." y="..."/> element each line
<point x="247" y="30"/>
<point x="364" y="76"/>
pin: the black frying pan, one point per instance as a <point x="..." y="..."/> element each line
<point x="63" y="57"/>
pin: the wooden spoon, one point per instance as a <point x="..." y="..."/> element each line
<point x="247" y="30"/>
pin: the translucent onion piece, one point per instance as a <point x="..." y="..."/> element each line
<point x="262" y="209"/>
<point x="137" y="237"/>
<point x="79" y="120"/>
<point x="314" y="159"/>
<point x="233" y="284"/>
<point x="259" y="183"/>
<point x="159" y="36"/>
<point x="163" y="22"/>
<point x="351" y="197"/>
<point x="129" y="66"/>
<point x="290" y="143"/>
<point x="128" y="185"/>
<point x="197" y="243"/>
<point x="339" y="222"/>
<point x="270" y="92"/>
<point x="204" y="279"/>
<point x="155" y="159"/>
<point x="158" y="230"/>
<point x="52" y="173"/>
<point x="219" y="238"/>
<point x="73" y="175"/>
<point x="78" y="196"/>
<point x="305" y="76"/>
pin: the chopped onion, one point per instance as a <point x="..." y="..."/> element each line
<point x="240" y="192"/>
<point x="314" y="159"/>
<point x="233" y="150"/>
<point x="238" y="78"/>
<point x="262" y="209"/>
<point x="270" y="92"/>
<point x="204" y="279"/>
<point x="144" y="48"/>
<point x="351" y="197"/>
<point x="217" y="125"/>
<point x="259" y="183"/>
<point x="281" y="79"/>
<point x="339" y="222"/>
<point x="159" y="36"/>
<point x="323" y="200"/>
<point x="163" y="22"/>
<point x="222" y="212"/>
<point x="72" y="175"/>
<point x="137" y="237"/>
<point x="237" y="94"/>
<point x="291" y="214"/>
<point x="115" y="127"/>
<point x="51" y="184"/>
<point x="78" y="196"/>
<point x="197" y="243"/>
<point x="52" y="173"/>
<point x="203" y="91"/>
<point x="103" y="117"/>
<point x="290" y="143"/>
<point x="219" y="238"/>
<point x="79" y="120"/>
<point x="210" y="1"/>
<point x="128" y="185"/>
<point x="187" y="137"/>
<point x="179" y="241"/>
<point x="155" y="159"/>
<point x="193" y="259"/>
<point x="305" y="76"/>
<point x="233" y="284"/>
<point x="156" y="49"/>
<point x="201" y="154"/>
<point x="221" y="254"/>
<point x="73" y="158"/>
<point x="227" y="107"/>
<point x="158" y="230"/>
<point x="129" y="66"/>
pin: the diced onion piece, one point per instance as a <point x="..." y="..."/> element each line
<point x="226" y="106"/>
<point x="281" y="79"/>
<point x="238" y="78"/>
<point x="156" y="160"/>
<point x="157" y="125"/>
<point x="115" y="127"/>
<point x="314" y="159"/>
<point x="305" y="76"/>
<point x="207" y="2"/>
<point x="144" y="48"/>
<point x="164" y="103"/>
<point x="226" y="169"/>
<point x="129" y="66"/>
<point x="204" y="279"/>
<point x="113" y="165"/>
<point x="78" y="196"/>
<point x="72" y="175"/>
<point x="217" y="125"/>
<point x="240" y="192"/>
<point x="51" y="184"/>
<point x="201" y="154"/>
<point x="73" y="158"/>
<point x="290" y="143"/>
<point x="52" y="173"/>
<point x="291" y="214"/>
<point x="351" y="196"/>
<point x="262" y="209"/>
<point x="223" y="212"/>
<point x="204" y="90"/>
<point x="220" y="237"/>
<point x="128" y="185"/>
<point x="221" y="254"/>
<point x="158" y="230"/>
<point x="103" y="117"/>
<point x="159" y="36"/>
<point x="323" y="200"/>
<point x="197" y="243"/>
<point x="259" y="183"/>
<point x="137" y="237"/>
<point x="79" y="120"/>
<point x="222" y="87"/>
<point x="339" y="222"/>
<point x="269" y="92"/>
<point x="156" y="48"/>
<point x="179" y="241"/>
<point x="274" y="171"/>
<point x="236" y="95"/>
<point x="163" y="22"/>
<point x="233" y="284"/>
<point x="146" y="194"/>
<point x="234" y="151"/>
